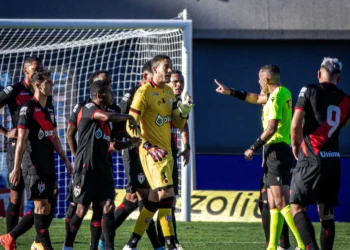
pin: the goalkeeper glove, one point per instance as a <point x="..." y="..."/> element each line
<point x="185" y="106"/>
<point x="156" y="153"/>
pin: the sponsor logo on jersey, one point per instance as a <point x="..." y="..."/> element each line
<point x="155" y="93"/>
<point x="41" y="187"/>
<point x="329" y="154"/>
<point x="23" y="111"/>
<point x="75" y="108"/>
<point x="8" y="89"/>
<point x="37" y="110"/>
<point x="23" y="93"/>
<point x="44" y="133"/>
<point x="89" y="105"/>
<point x="160" y="120"/>
<point x="99" y="134"/>
<point x="302" y="92"/>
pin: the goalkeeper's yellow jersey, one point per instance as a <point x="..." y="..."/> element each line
<point x="154" y="106"/>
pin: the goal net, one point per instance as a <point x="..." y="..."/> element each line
<point x="72" y="50"/>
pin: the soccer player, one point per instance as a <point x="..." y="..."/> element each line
<point x="177" y="84"/>
<point x="37" y="135"/>
<point x="95" y="225"/>
<point x="15" y="97"/>
<point x="93" y="176"/>
<point x="154" y="107"/>
<point x="137" y="188"/>
<point x="277" y="155"/>
<point x="322" y="110"/>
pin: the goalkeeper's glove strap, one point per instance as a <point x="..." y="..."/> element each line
<point x="239" y="94"/>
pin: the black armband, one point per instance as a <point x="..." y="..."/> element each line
<point x="239" y="94"/>
<point x="257" y="144"/>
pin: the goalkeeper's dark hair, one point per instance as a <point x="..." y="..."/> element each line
<point x="98" y="87"/>
<point x="95" y="75"/>
<point x="274" y="72"/>
<point x="158" y="58"/>
<point x="178" y="72"/>
<point x="31" y="59"/>
<point x="40" y="76"/>
<point x="147" y="67"/>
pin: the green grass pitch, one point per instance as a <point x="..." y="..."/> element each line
<point x="193" y="236"/>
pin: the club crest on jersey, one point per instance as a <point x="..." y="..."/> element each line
<point x="41" y="187"/>
<point x="141" y="178"/>
<point x="160" y="120"/>
<point x="77" y="190"/>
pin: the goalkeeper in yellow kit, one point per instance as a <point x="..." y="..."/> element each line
<point x="154" y="106"/>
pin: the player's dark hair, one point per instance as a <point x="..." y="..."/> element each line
<point x="40" y="76"/>
<point x="31" y="59"/>
<point x="98" y="87"/>
<point x="178" y="72"/>
<point x="95" y="75"/>
<point x="147" y="67"/>
<point x="158" y="58"/>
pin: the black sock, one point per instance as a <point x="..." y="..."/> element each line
<point x="109" y="230"/>
<point x="151" y="230"/>
<point x="74" y="226"/>
<point x="69" y="214"/>
<point x="174" y="225"/>
<point x="134" y="239"/>
<point x="24" y="225"/>
<point x="95" y="226"/>
<point x="50" y="218"/>
<point x="284" y="240"/>
<point x="41" y="226"/>
<point x="170" y="241"/>
<point x="306" y="230"/>
<point x="123" y="211"/>
<point x="160" y="233"/>
<point x="265" y="220"/>
<point x="12" y="215"/>
<point x="327" y="234"/>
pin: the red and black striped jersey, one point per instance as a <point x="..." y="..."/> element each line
<point x="15" y="96"/>
<point x="41" y="123"/>
<point x="327" y="110"/>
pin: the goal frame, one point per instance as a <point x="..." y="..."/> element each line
<point x="184" y="25"/>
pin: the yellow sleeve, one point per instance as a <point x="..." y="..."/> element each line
<point x="177" y="120"/>
<point x="137" y="108"/>
<point x="275" y="111"/>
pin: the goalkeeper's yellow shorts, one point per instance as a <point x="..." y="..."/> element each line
<point x="159" y="174"/>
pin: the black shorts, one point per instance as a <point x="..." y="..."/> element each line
<point x="278" y="162"/>
<point x="38" y="185"/>
<point x="93" y="186"/>
<point x="175" y="172"/>
<point x="314" y="182"/>
<point x="10" y="161"/>
<point x="134" y="171"/>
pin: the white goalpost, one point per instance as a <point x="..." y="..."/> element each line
<point x="72" y="50"/>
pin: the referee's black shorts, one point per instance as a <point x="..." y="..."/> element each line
<point x="278" y="162"/>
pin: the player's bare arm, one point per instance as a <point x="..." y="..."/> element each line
<point x="296" y="131"/>
<point x="185" y="140"/>
<point x="252" y="98"/>
<point x="21" y="142"/>
<point x="12" y="133"/>
<point x="70" y="136"/>
<point x="264" y="137"/>
<point x="59" y="150"/>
